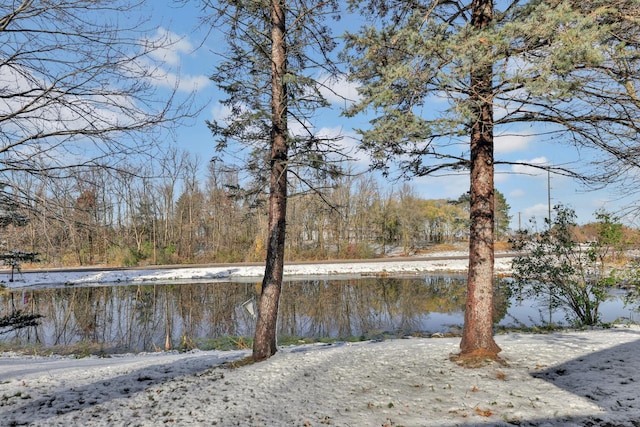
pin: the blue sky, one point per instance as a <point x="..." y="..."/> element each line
<point x="192" y="60"/>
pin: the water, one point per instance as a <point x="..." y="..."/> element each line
<point x="152" y="317"/>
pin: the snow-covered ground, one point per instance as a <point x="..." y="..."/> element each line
<point x="48" y="278"/>
<point x="564" y="379"/>
<point x="587" y="378"/>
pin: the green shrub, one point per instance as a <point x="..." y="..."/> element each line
<point x="570" y="275"/>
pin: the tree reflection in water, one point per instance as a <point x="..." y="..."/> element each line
<point x="152" y="317"/>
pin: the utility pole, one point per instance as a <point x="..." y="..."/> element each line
<point x="549" y="194"/>
<point x="549" y="205"/>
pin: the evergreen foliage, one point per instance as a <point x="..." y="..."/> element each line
<point x="567" y="69"/>
<point x="275" y="54"/>
<point x="244" y="75"/>
<point x="502" y="218"/>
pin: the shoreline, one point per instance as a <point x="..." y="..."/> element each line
<point x="446" y="263"/>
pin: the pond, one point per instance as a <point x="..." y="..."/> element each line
<point x="150" y="317"/>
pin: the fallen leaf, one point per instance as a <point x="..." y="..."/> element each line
<point x="483" y="413"/>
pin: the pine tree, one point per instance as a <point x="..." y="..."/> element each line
<point x="567" y="68"/>
<point x="274" y="71"/>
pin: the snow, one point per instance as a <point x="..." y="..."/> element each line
<point x="570" y="378"/>
<point x="50" y="278"/>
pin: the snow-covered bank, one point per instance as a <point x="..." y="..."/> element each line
<point x="44" y="278"/>
<point x="564" y="379"/>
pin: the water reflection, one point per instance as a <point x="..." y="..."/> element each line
<point x="131" y="318"/>
<point x="151" y="317"/>
<point x="366" y="307"/>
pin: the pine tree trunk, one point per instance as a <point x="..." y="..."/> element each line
<point x="477" y="335"/>
<point x="264" y="345"/>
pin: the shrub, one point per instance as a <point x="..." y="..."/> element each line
<point x="355" y="251"/>
<point x="568" y="274"/>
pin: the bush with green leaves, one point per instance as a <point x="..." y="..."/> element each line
<point x="566" y="273"/>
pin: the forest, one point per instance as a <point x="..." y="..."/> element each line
<point x="179" y="218"/>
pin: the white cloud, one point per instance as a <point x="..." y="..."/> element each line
<point x="300" y="129"/>
<point x="525" y="169"/>
<point x="171" y="47"/>
<point x="101" y="110"/>
<point x="348" y="145"/>
<point x="164" y="62"/>
<point x="339" y="91"/>
<point x="518" y="192"/>
<point x="220" y="112"/>
<point x="330" y="132"/>
<point x="499" y="178"/>
<point x="182" y="82"/>
<point x="512" y="142"/>
<point x="539" y="211"/>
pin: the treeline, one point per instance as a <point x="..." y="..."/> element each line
<point x="133" y="218"/>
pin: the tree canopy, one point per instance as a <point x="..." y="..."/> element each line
<point x="243" y="132"/>
<point x="272" y="69"/>
<point x="566" y="69"/>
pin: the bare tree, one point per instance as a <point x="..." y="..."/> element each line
<point x="78" y="89"/>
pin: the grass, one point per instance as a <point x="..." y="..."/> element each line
<point x="227" y="343"/>
<point x="231" y="342"/>
<point x="86" y="349"/>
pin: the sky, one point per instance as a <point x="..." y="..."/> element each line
<point x="529" y="192"/>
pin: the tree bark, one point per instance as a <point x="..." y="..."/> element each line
<point x="477" y="335"/>
<point x="265" y="345"/>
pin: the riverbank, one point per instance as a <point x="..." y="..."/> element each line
<point x="446" y="262"/>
